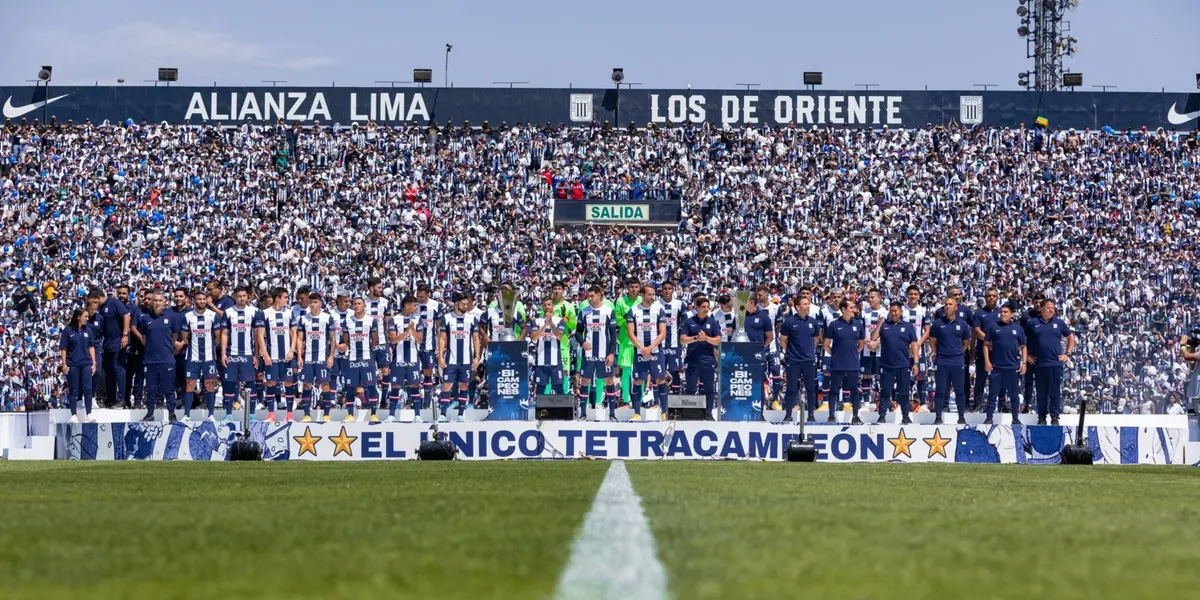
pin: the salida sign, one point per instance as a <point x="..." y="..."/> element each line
<point x="618" y="212"/>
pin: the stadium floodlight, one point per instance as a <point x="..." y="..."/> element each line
<point x="1022" y="11"/>
<point x="618" y="75"/>
<point x="422" y="75"/>
<point x="1072" y="79"/>
<point x="1022" y="31"/>
<point x="168" y="74"/>
<point x="44" y="74"/>
<point x="813" y="77"/>
<point x="1022" y="2"/>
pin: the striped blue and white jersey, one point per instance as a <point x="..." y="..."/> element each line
<point x="547" y="351"/>
<point x="645" y="321"/>
<point x="598" y="327"/>
<point x="239" y="324"/>
<point x="202" y="340"/>
<point x="872" y="317"/>
<point x="431" y="315"/>
<point x="775" y="314"/>
<point x="357" y="335"/>
<point x="339" y="320"/>
<point x="379" y="309"/>
<point x="460" y="331"/>
<point x="317" y="333"/>
<point x="277" y="325"/>
<point x="406" y="352"/>
<point x="674" y="313"/>
<point x="494" y="320"/>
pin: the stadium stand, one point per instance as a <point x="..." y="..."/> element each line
<point x="1103" y="222"/>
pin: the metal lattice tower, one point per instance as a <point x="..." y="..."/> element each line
<point x="1048" y="40"/>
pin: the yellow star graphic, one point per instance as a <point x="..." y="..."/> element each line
<point x="308" y="442"/>
<point x="343" y="441"/>
<point x="937" y="444"/>
<point x="900" y="445"/>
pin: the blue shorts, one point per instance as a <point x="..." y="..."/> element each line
<point x="456" y="374"/>
<point x="381" y="357"/>
<point x="672" y="359"/>
<point x="426" y="358"/>
<point x="201" y="370"/>
<point x="359" y="373"/>
<point x="551" y="375"/>
<point x="648" y="367"/>
<point x="280" y="371"/>
<point x="407" y="375"/>
<point x="595" y="369"/>
<point x="240" y="369"/>
<point x="871" y="365"/>
<point x="315" y="373"/>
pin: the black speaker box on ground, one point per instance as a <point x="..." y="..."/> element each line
<point x="436" y="450"/>
<point x="557" y="407"/>
<point x="686" y="408"/>
<point x="802" y="451"/>
<point x="245" y="449"/>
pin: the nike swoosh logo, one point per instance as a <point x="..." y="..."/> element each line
<point x="12" y="112"/>
<point x="1173" y="117"/>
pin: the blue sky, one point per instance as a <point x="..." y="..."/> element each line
<point x="943" y="44"/>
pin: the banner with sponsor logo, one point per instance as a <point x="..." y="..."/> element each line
<point x="345" y="106"/>
<point x="647" y="440"/>
<point x="508" y="381"/>
<point x="741" y="381"/>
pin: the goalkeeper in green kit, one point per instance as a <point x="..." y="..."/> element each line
<point x="632" y="296"/>
<point x="565" y="310"/>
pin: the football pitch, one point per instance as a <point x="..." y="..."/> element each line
<point x="540" y="530"/>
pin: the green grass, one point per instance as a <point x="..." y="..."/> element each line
<point x="504" y="530"/>
<point x="289" y="530"/>
<point x="749" y="530"/>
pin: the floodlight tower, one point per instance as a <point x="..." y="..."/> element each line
<point x="1048" y="40"/>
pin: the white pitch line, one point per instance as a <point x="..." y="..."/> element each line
<point x="614" y="554"/>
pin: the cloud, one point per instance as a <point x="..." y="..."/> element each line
<point x="181" y="43"/>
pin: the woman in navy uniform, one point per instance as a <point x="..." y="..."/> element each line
<point x="78" y="347"/>
<point x="701" y="333"/>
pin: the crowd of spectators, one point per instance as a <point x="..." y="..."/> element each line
<point x="1102" y="222"/>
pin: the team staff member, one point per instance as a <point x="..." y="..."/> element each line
<point x="760" y="329"/>
<point x="113" y="318"/>
<point x="1004" y="356"/>
<point x="899" y="347"/>
<point x="1046" y="343"/>
<point x="845" y="338"/>
<point x="78" y="363"/>
<point x="799" y="338"/>
<point x="949" y="337"/>
<point x="596" y="334"/>
<point x="135" y="378"/>
<point x="160" y="331"/>
<point x="702" y="334"/>
<point x="982" y="321"/>
<point x="1035" y="311"/>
